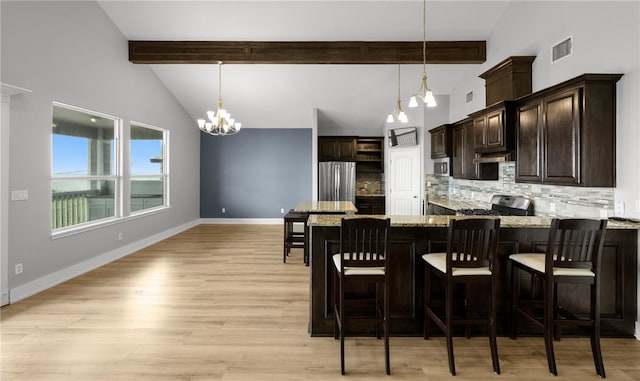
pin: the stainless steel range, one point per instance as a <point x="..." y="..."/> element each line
<point x="502" y="205"/>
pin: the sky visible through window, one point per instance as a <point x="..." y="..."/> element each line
<point x="70" y="156"/>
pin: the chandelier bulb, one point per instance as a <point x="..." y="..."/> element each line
<point x="413" y="102"/>
<point x="201" y="123"/>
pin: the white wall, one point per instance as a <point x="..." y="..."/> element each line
<point x="72" y="53"/>
<point x="606" y="37"/>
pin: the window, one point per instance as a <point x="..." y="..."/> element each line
<point x="85" y="181"/>
<point x="149" y="167"/>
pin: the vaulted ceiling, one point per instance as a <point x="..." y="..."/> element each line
<point x="284" y="95"/>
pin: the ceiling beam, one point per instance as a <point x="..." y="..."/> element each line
<point x="306" y="52"/>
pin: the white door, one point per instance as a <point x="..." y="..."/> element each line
<point x="403" y="180"/>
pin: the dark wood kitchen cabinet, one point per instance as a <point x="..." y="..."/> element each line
<point x="464" y="164"/>
<point x="463" y="152"/>
<point x="441" y="141"/>
<point x="370" y="204"/>
<point x="370" y="154"/>
<point x="336" y="148"/>
<point x="566" y="133"/>
<point x="493" y="128"/>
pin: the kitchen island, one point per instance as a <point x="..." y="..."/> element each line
<point x="412" y="236"/>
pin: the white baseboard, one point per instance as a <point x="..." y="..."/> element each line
<point x="242" y="221"/>
<point x="637" y="330"/>
<point x="4" y="298"/>
<point x="21" y="292"/>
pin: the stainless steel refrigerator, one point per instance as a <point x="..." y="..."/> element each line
<point x="337" y="181"/>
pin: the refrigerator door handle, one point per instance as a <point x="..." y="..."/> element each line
<point x="336" y="191"/>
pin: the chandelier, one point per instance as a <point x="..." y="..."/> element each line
<point x="423" y="92"/>
<point x="220" y="122"/>
<point x="398" y="113"/>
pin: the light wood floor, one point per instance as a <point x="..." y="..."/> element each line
<point x="217" y="303"/>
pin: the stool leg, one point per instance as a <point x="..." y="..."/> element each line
<point x="284" y="244"/>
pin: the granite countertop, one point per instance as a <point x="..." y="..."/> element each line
<point x="369" y="194"/>
<point x="458" y="204"/>
<point x="443" y="221"/>
<point x="326" y="207"/>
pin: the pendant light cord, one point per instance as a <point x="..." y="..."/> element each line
<point x="424" y="36"/>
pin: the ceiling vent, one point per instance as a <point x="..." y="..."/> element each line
<point x="562" y="49"/>
<point x="469" y="97"/>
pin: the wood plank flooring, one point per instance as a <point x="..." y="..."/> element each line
<point x="217" y="303"/>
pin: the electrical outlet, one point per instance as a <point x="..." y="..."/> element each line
<point x="619" y="211"/>
<point x="19" y="268"/>
<point x="552" y="207"/>
<point x="281" y="210"/>
<point x="224" y="210"/>
<point x="119" y="236"/>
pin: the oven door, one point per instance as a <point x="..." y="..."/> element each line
<point x="441" y="167"/>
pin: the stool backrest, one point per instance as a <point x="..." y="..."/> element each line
<point x="575" y="243"/>
<point x="472" y="242"/>
<point x="363" y="241"/>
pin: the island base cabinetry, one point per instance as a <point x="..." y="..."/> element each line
<point x="408" y="244"/>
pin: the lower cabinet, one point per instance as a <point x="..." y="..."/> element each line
<point x="438" y="210"/>
<point x="407" y="243"/>
<point x="370" y="204"/>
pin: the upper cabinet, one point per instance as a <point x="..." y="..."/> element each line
<point x="493" y="128"/>
<point x="509" y="79"/>
<point x="463" y="161"/>
<point x="336" y="148"/>
<point x="370" y="154"/>
<point x="441" y="141"/>
<point x="565" y="135"/>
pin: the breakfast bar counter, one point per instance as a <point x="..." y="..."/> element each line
<point x="412" y="236"/>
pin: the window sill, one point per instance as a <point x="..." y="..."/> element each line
<point x="106" y="222"/>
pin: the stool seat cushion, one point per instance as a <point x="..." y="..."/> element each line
<point x="357" y="270"/>
<point x="439" y="262"/>
<point x="536" y="261"/>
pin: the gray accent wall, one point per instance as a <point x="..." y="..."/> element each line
<point x="255" y="173"/>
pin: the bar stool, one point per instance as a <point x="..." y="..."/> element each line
<point x="362" y="260"/>
<point x="573" y="255"/>
<point x="295" y="233"/>
<point x="468" y="262"/>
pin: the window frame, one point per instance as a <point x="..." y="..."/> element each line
<point x="165" y="170"/>
<point x="116" y="177"/>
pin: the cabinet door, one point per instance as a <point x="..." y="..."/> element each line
<point x="438" y="145"/>
<point x="479" y="133"/>
<point x="457" y="155"/>
<point x="327" y="149"/>
<point x="528" y="147"/>
<point x="469" y="168"/>
<point x="495" y="129"/>
<point x="346" y="149"/>
<point x="562" y="138"/>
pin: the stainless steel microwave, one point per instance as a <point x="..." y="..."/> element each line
<point x="442" y="167"/>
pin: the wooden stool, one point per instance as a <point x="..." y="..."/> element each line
<point x="294" y="236"/>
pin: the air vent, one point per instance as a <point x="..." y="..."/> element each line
<point x="469" y="96"/>
<point x="562" y="49"/>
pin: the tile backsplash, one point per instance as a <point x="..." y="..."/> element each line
<point x="548" y="200"/>
<point x="369" y="182"/>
